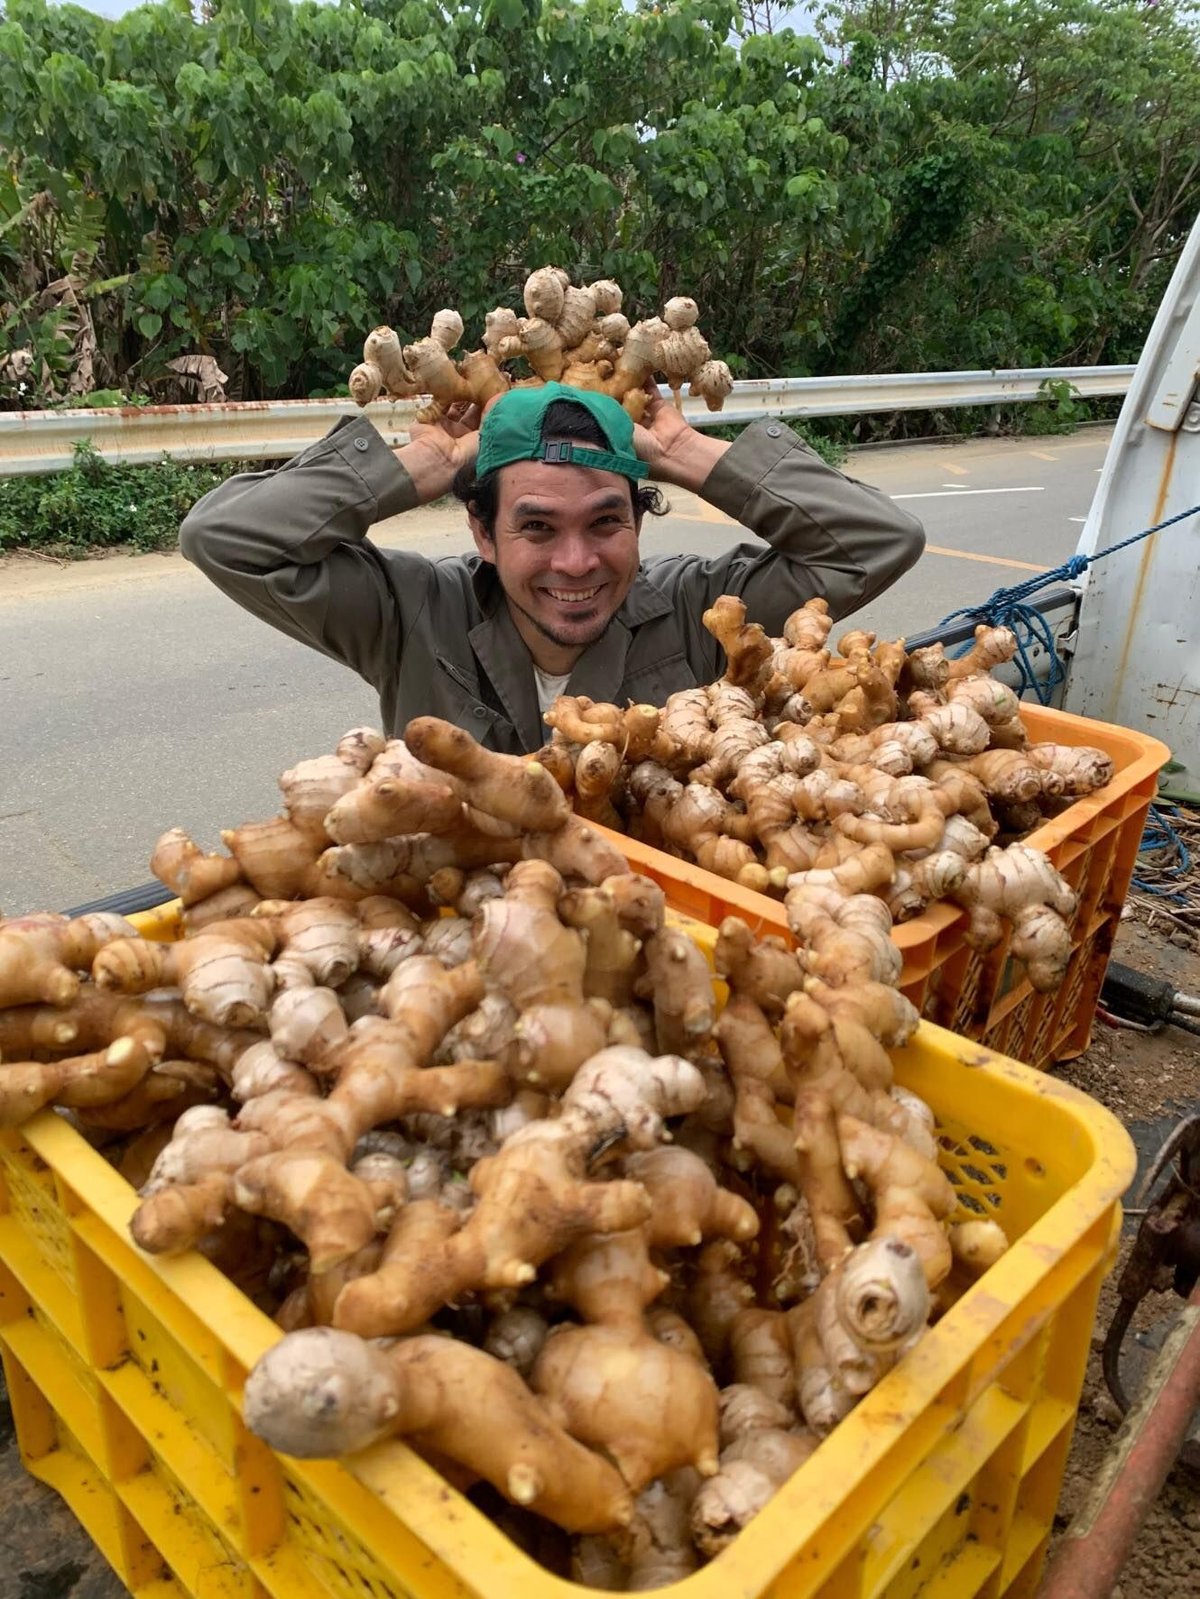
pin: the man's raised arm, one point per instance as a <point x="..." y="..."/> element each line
<point x="290" y="545"/>
<point x="827" y="534"/>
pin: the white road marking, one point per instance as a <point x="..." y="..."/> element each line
<point x="1077" y="519"/>
<point x="961" y="494"/>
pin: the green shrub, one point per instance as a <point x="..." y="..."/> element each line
<point x="1058" y="409"/>
<point x="96" y="505"/>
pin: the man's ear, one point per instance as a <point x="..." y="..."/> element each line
<point x="484" y="541"/>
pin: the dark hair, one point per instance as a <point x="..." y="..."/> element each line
<point x="563" y="420"/>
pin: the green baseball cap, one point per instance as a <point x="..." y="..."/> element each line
<point x="512" y="431"/>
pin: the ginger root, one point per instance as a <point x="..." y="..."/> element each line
<point x="1019" y="884"/>
<point x="41" y="956"/>
<point x="650" y="1407"/>
<point x="760" y="1449"/>
<point x="534" y="1195"/>
<point x="222" y="973"/>
<point x="573" y="333"/>
<point x="320" y="1392"/>
<point x="849" y="1333"/>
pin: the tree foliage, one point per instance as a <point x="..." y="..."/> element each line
<point x="931" y="184"/>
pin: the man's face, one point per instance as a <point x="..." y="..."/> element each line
<point x="565" y="550"/>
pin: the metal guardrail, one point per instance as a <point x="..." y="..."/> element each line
<point x="33" y="442"/>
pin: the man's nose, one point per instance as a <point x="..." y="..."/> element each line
<point x="574" y="555"/>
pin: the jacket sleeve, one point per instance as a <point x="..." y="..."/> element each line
<point x="290" y="546"/>
<point x="827" y="535"/>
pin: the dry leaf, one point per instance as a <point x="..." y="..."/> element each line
<point x="203" y="371"/>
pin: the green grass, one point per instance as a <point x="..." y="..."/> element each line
<point x="98" y="506"/>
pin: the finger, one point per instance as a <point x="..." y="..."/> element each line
<point x="654" y="399"/>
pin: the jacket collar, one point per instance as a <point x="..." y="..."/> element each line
<point x="501" y="652"/>
<point x="504" y="656"/>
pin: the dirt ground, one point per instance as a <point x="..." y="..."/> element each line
<point x="1148" y="1080"/>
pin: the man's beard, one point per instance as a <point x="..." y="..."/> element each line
<point x="567" y="641"/>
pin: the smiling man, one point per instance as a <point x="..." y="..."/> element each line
<point x="557" y="598"/>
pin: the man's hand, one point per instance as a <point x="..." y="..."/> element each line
<point x="436" y="450"/>
<point x="671" y="447"/>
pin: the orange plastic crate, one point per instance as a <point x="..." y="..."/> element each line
<point x="1094" y="844"/>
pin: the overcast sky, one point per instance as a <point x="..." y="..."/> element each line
<point x="796" y="18"/>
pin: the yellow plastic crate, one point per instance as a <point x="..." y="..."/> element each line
<point x="126" y="1373"/>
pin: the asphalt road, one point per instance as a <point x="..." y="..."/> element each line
<point x="134" y="697"/>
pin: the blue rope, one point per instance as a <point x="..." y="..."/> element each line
<point x="1010" y="608"/>
<point x="1159" y="838"/>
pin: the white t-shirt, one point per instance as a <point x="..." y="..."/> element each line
<point x="548" y="688"/>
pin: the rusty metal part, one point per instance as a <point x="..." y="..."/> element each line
<point x="1184" y="1143"/>
<point x="1096" y="1546"/>
<point x="1166" y="1251"/>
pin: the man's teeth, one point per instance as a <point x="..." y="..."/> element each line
<point x="572" y="594"/>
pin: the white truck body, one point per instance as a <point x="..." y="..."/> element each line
<point x="1136" y="652"/>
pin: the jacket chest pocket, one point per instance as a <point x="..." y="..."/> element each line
<point x="652" y="683"/>
<point x="458" y="702"/>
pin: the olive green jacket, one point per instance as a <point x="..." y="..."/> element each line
<point x="436" y="637"/>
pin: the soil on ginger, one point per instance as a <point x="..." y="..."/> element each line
<point x="1147" y="1080"/>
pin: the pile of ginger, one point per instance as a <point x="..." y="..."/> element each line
<point x="912" y="765"/>
<point x="575" y="334"/>
<point x="461" y="1110"/>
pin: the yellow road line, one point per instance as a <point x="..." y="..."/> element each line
<point x="1042" y="455"/>
<point x="958" y="471"/>
<point x="930" y="549"/>
<point x="991" y="560"/>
